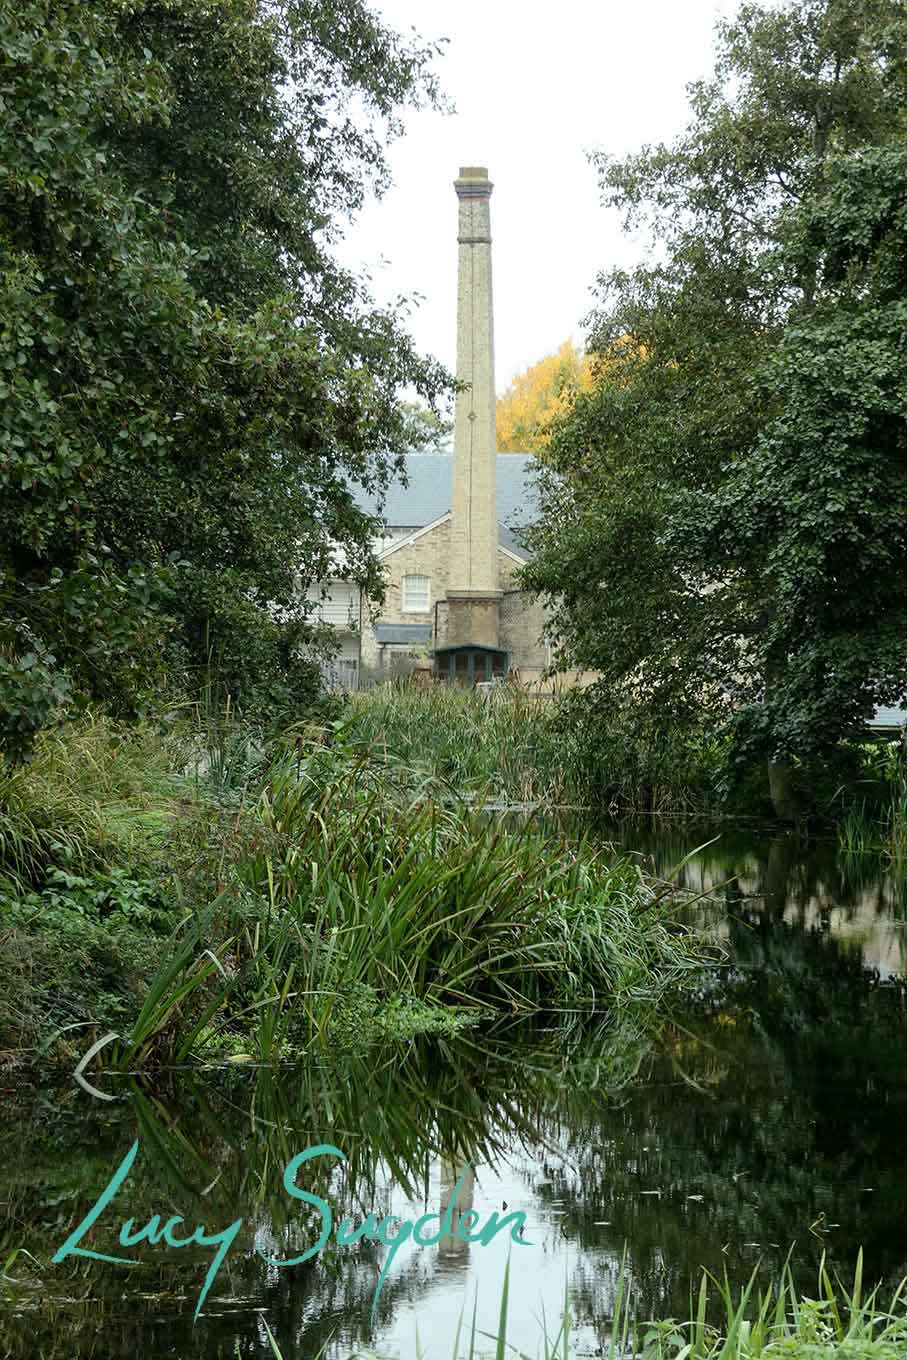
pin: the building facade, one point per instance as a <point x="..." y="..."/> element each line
<point x="415" y="550"/>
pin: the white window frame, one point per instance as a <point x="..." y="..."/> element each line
<point x="406" y="604"/>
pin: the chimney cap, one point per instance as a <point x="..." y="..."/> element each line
<point x="473" y="183"/>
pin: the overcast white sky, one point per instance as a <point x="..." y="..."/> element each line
<point x="535" y="87"/>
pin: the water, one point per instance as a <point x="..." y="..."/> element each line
<point x="768" y="1117"/>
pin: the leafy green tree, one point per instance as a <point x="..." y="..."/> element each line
<point x="188" y="381"/>
<point x="426" y="429"/>
<point x="726" y="540"/>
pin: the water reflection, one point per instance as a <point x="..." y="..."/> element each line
<point x="458" y="1188"/>
<point x="808" y="884"/>
<point x="769" y="1111"/>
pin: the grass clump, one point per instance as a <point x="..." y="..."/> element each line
<point x="95" y="793"/>
<point x="340" y="891"/>
<point x="435" y="896"/>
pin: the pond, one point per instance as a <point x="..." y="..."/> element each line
<point x="766" y="1116"/>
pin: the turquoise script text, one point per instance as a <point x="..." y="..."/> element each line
<point x="346" y="1233"/>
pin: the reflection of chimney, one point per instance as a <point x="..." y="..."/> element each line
<point x="451" y="1247"/>
<point x="473" y="594"/>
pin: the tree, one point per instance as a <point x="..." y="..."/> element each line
<point x="188" y="381"/>
<point x="536" y="398"/>
<point x="727" y="540"/>
<point x="425" y="428"/>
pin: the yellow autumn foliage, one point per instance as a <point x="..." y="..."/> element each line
<point x="537" y="397"/>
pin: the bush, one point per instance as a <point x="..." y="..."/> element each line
<point x="33" y="692"/>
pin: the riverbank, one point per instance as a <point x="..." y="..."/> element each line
<point x="207" y="895"/>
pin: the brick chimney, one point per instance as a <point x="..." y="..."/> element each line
<point x="473" y="595"/>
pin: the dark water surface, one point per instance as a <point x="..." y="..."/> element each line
<point x="771" y="1112"/>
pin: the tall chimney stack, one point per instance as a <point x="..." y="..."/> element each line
<point x="473" y="595"/>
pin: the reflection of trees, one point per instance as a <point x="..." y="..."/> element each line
<point x="803" y="1062"/>
<point x="214" y="1148"/>
<point x="803" y="877"/>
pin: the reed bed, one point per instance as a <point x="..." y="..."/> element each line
<point x="343" y="882"/>
<point x="568" y="748"/>
<point x="504" y="742"/>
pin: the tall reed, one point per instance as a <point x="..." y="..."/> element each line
<point x="573" y="747"/>
<point x="504" y="741"/>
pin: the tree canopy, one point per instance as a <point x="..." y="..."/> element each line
<point x="536" y="398"/>
<point x="188" y="381"/>
<point x="726" y="536"/>
<point x="426" y="428"/>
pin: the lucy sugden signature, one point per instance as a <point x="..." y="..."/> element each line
<point x="346" y="1232"/>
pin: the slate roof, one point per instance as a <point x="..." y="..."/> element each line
<point x="888" y="717"/>
<point x="412" y="633"/>
<point x="429" y="492"/>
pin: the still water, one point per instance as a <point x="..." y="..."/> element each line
<point x="768" y="1115"/>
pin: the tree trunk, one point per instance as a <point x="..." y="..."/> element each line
<point x="781" y="855"/>
<point x="781" y="791"/>
<point x="780" y="774"/>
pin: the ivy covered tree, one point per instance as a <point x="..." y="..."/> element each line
<point x="726" y="538"/>
<point x="188" y="381"/>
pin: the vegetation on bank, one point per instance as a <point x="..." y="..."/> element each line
<point x="874" y="819"/>
<point x="229" y="897"/>
<point x="582" y="748"/>
<point x="201" y="890"/>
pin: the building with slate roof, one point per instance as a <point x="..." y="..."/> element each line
<point x="450" y="536"/>
<point x="414" y="545"/>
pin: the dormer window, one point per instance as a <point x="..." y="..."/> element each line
<point x="416" y="595"/>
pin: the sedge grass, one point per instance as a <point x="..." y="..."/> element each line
<point x="93" y="792"/>
<point x="438" y="899"/>
<point x="343" y="885"/>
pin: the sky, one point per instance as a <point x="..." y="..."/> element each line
<point x="535" y="88"/>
